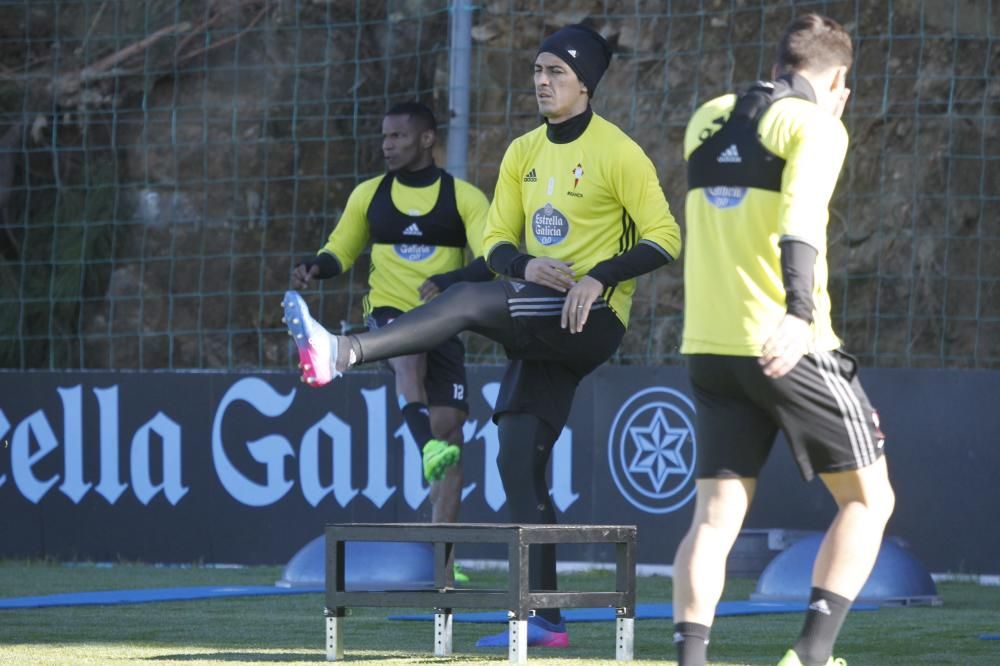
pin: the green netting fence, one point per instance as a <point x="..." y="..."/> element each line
<point x="164" y="164"/>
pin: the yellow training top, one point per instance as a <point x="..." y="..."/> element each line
<point x="734" y="297"/>
<point x="584" y="201"/>
<point x="415" y="233"/>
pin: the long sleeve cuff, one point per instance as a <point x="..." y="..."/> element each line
<point x="643" y="258"/>
<point x="505" y="259"/>
<point x="328" y="264"/>
<point x="475" y="271"/>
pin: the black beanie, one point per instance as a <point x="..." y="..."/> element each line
<point x="584" y="49"/>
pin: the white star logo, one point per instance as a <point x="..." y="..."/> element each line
<point x="658" y="450"/>
<point x="652" y="447"/>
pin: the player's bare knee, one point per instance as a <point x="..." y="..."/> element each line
<point x="406" y="366"/>
<point x="885" y="496"/>
<point x="872" y="494"/>
<point x="451" y="430"/>
<point x="409" y="378"/>
<point x="722" y="504"/>
<point x="721" y="530"/>
<point x="884" y="502"/>
<point x="878" y="502"/>
<point x="447" y="423"/>
<point x="455" y="435"/>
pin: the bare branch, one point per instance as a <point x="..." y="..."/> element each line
<point x="227" y="40"/>
<point x="65" y="88"/>
<point x="116" y="58"/>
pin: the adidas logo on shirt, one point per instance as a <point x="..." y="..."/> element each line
<point x="730" y="155"/>
<point x="530" y="177"/>
<point x="413" y="230"/>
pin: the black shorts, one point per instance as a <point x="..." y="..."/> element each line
<point x="548" y="362"/>
<point x="445" y="381"/>
<point x="820" y="406"/>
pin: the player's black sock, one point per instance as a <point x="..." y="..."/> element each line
<point x="480" y="307"/>
<point x="525" y="446"/>
<point x="824" y="618"/>
<point x="418" y="420"/>
<point x="691" y="640"/>
<point x="542" y="559"/>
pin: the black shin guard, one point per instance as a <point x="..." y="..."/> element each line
<point x="418" y="420"/>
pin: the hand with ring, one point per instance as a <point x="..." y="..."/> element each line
<point x="579" y="299"/>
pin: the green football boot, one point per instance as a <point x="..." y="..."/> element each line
<point x="438" y="456"/>
<point x="792" y="659"/>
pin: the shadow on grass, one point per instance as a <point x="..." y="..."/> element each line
<point x="257" y="657"/>
<point x="241" y="656"/>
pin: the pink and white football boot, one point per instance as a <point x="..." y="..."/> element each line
<point x="317" y="347"/>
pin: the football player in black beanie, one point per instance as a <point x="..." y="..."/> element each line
<point x="587" y="204"/>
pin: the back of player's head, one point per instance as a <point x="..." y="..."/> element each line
<point x="420" y="114"/>
<point x="814" y="43"/>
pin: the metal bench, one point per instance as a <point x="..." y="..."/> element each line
<point x="517" y="599"/>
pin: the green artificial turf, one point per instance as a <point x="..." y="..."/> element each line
<point x="290" y="629"/>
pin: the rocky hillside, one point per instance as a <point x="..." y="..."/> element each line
<point x="162" y="164"/>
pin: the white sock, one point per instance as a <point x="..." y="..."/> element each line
<point x="352" y="357"/>
<point x="336" y="352"/>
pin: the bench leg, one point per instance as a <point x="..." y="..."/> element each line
<point x="624" y="638"/>
<point x="517" y="641"/>
<point x="334" y="636"/>
<point x="442" y="632"/>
